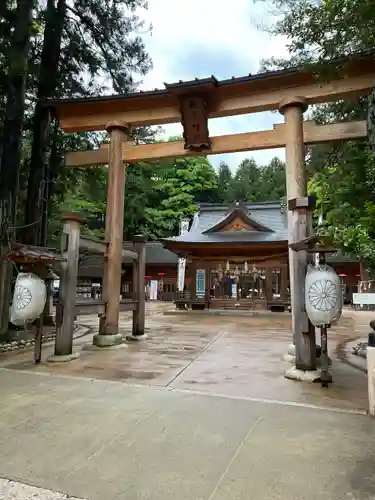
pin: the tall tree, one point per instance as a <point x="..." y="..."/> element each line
<point x="272" y="181"/>
<point x="39" y="174"/>
<point x="12" y="137"/>
<point x="14" y="113"/>
<point x="180" y="184"/>
<point x="246" y="183"/>
<point x="225" y="183"/>
<point x="88" y="47"/>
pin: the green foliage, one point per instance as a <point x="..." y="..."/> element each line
<point x="343" y="181"/>
<point x="342" y="176"/>
<point x="225" y="183"/>
<point x="180" y="184"/>
<point x="254" y="183"/>
<point x="273" y="181"/>
<point x="246" y="181"/>
<point x="159" y="194"/>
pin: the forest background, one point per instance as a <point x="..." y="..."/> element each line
<point x="60" y="48"/>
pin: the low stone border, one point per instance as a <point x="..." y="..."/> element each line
<point x="345" y="354"/>
<point x="17" y="345"/>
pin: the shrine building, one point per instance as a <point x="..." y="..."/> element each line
<point x="236" y="257"/>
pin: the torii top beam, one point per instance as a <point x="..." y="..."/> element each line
<point x="249" y="94"/>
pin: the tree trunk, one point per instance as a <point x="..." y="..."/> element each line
<point x="54" y="162"/>
<point x="12" y="143"/>
<point x="39" y="174"/>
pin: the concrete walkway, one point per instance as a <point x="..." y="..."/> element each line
<point x="200" y="411"/>
<point x="106" y="440"/>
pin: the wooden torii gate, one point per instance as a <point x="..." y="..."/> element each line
<point x="290" y="91"/>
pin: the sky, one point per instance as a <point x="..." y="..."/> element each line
<point x="199" y="38"/>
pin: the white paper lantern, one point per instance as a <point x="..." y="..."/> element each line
<point x="323" y="296"/>
<point x="29" y="299"/>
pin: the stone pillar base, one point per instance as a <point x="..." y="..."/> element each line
<point x="56" y="358"/>
<point x="290" y="356"/>
<point x="136" y="338"/>
<point x="294" y="373"/>
<point x="101" y="340"/>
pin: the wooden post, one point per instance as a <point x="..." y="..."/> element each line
<point x="134" y="279"/>
<point x="48" y="317"/>
<point x="114" y="226"/>
<point x="362" y="271"/>
<point x="298" y="228"/>
<point x="284" y="283"/>
<point x="139" y="270"/>
<point x="269" y="277"/>
<point x="65" y="313"/>
<point x="193" y="274"/>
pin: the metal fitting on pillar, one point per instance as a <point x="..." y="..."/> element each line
<point x="117" y="125"/>
<point x="306" y="203"/>
<point x="293" y="102"/>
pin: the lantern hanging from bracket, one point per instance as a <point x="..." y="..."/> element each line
<point x="323" y="295"/>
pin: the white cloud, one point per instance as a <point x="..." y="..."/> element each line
<point x="229" y="33"/>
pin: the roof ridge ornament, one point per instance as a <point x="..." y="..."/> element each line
<point x="237" y="205"/>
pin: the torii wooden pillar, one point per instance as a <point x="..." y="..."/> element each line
<point x="299" y="226"/>
<point x="114" y="227"/>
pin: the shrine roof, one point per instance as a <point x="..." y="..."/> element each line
<point x="29" y="254"/>
<point x="212" y="81"/>
<point x="262" y="223"/>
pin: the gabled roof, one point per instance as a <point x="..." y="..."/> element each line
<point x="241" y="214"/>
<point x="33" y="254"/>
<point x="266" y="219"/>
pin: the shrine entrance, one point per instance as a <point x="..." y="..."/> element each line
<point x="242" y="289"/>
<point x="254" y="288"/>
<point x="193" y="103"/>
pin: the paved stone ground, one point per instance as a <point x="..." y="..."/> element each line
<point x="97" y="439"/>
<point x="199" y="411"/>
<point x="237" y="356"/>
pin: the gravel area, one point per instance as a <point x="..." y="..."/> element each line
<point x="12" y="490"/>
<point x="16" y="345"/>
